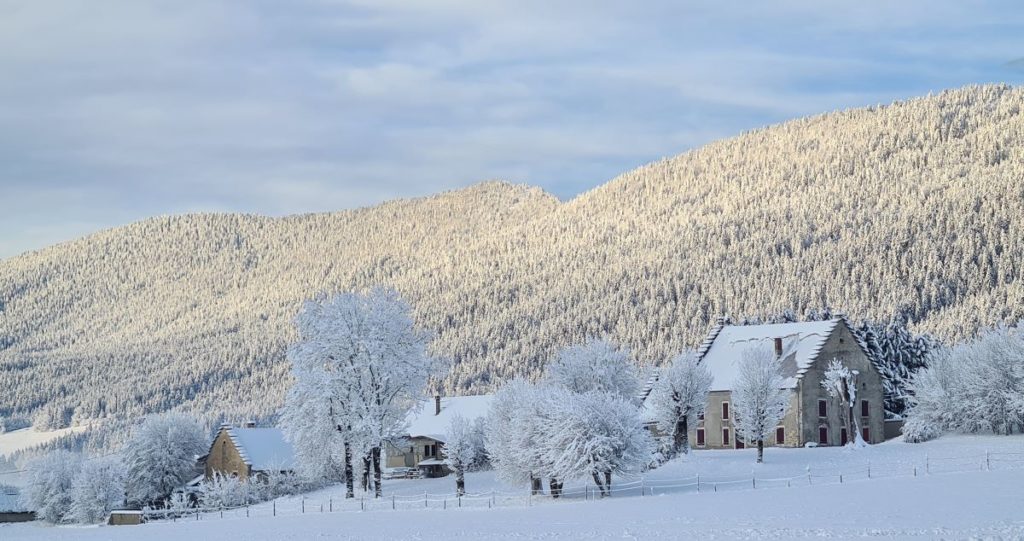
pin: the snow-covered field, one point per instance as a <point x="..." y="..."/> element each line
<point x="17" y="440"/>
<point x="965" y="487"/>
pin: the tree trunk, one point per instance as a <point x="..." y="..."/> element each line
<point x="760" y="451"/>
<point x="535" y="486"/>
<point x="366" y="473"/>
<point x="683" y="433"/>
<point x="599" y="482"/>
<point x="350" y="491"/>
<point x="460" y="480"/>
<point x="378" y="490"/>
<point x="608" y="483"/>
<point x="555" y="488"/>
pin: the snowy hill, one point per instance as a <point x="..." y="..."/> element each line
<point x="918" y="204"/>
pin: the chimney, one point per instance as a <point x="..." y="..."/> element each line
<point x="778" y="347"/>
<point x="249" y="424"/>
<point x="437" y="404"/>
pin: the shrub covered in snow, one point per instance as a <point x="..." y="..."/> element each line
<point x="225" y="492"/>
<point x="51" y="479"/>
<point x="976" y="386"/>
<point x="98" y="488"/>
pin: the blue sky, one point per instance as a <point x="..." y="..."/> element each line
<point x="114" y="111"/>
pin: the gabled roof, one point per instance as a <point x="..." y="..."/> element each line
<point x="424" y="423"/>
<point x="262" y="449"/>
<point x="801" y="344"/>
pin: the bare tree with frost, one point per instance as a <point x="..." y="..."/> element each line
<point x="460" y="451"/>
<point x="841" y="384"/>
<point x="758" y="397"/>
<point x="679" y="396"/>
<point x="161" y="455"/>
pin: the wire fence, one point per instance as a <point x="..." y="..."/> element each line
<point x="642" y="487"/>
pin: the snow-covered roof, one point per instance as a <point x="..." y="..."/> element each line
<point x="801" y="343"/>
<point x="431" y="462"/>
<point x="424" y="423"/>
<point x="10" y="500"/>
<point x="263" y="448"/>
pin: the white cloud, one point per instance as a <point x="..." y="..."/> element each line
<point x="146" y="108"/>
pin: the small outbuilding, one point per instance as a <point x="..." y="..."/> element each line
<point x="125" y="517"/>
<point x="423" y="448"/>
<point x="11" y="507"/>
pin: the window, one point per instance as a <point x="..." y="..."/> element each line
<point x="822" y="408"/>
<point x="725" y="411"/>
<point x="843" y="437"/>
<point x="701" y="416"/>
<point x="822" y="435"/>
<point x="430" y="451"/>
<point x="866" y="434"/>
<point x="780" y="435"/>
<point x="740" y="444"/>
<point x="725" y="436"/>
<point x="865" y="409"/>
<point x="700" y="437"/>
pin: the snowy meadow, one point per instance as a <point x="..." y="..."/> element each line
<point x="965" y="487"/>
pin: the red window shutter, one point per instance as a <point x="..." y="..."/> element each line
<point x="725" y="436"/>
<point x="865" y="410"/>
<point x="822" y="408"/>
<point x="866" y="434"/>
<point x="780" y="435"/>
<point x="823" y="435"/>
<point x="700" y="437"/>
<point x="725" y="410"/>
<point x="843" y="437"/>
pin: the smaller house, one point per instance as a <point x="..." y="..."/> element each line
<point x="11" y="507"/>
<point x="428" y="430"/>
<point x="249" y="451"/>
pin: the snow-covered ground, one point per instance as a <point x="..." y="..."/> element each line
<point x="965" y="487"/>
<point x="16" y="440"/>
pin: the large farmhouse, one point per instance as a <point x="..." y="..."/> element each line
<point x="806" y="348"/>
<point x="428" y="429"/>
<point x="248" y="452"/>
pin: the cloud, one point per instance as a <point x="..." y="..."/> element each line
<point x="114" y="111"/>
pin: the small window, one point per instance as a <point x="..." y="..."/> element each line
<point x="822" y="435"/>
<point x="843" y="437"/>
<point x="740" y="444"/>
<point x="701" y="416"/>
<point x="700" y="437"/>
<point x="865" y="409"/>
<point x="822" y="408"/>
<point x="725" y="411"/>
<point x="780" y="435"/>
<point x="725" y="436"/>
<point x="866" y="434"/>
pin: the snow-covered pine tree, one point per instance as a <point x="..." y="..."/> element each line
<point x="758" y="398"/>
<point x="161" y="455"/>
<point x="98" y="488"/>
<point x="371" y="360"/>
<point x="459" y="450"/>
<point x="679" y="396"/>
<point x="840" y="383"/>
<point x="596" y="365"/>
<point x="51" y="479"/>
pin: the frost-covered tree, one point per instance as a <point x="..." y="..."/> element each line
<point x="309" y="422"/>
<point x="898" y="353"/>
<point x="98" y="488"/>
<point x="477" y="439"/>
<point x="51" y="479"/>
<point x="512" y="434"/>
<point x="361" y="363"/>
<point x="225" y="492"/>
<point x="976" y="386"/>
<point x="679" y="396"/>
<point x="460" y="451"/>
<point x="596" y="434"/>
<point x="840" y="382"/>
<point x="596" y="365"/>
<point x="758" y="398"/>
<point x="161" y="455"/>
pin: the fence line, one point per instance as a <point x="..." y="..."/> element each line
<point x="642" y="487"/>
